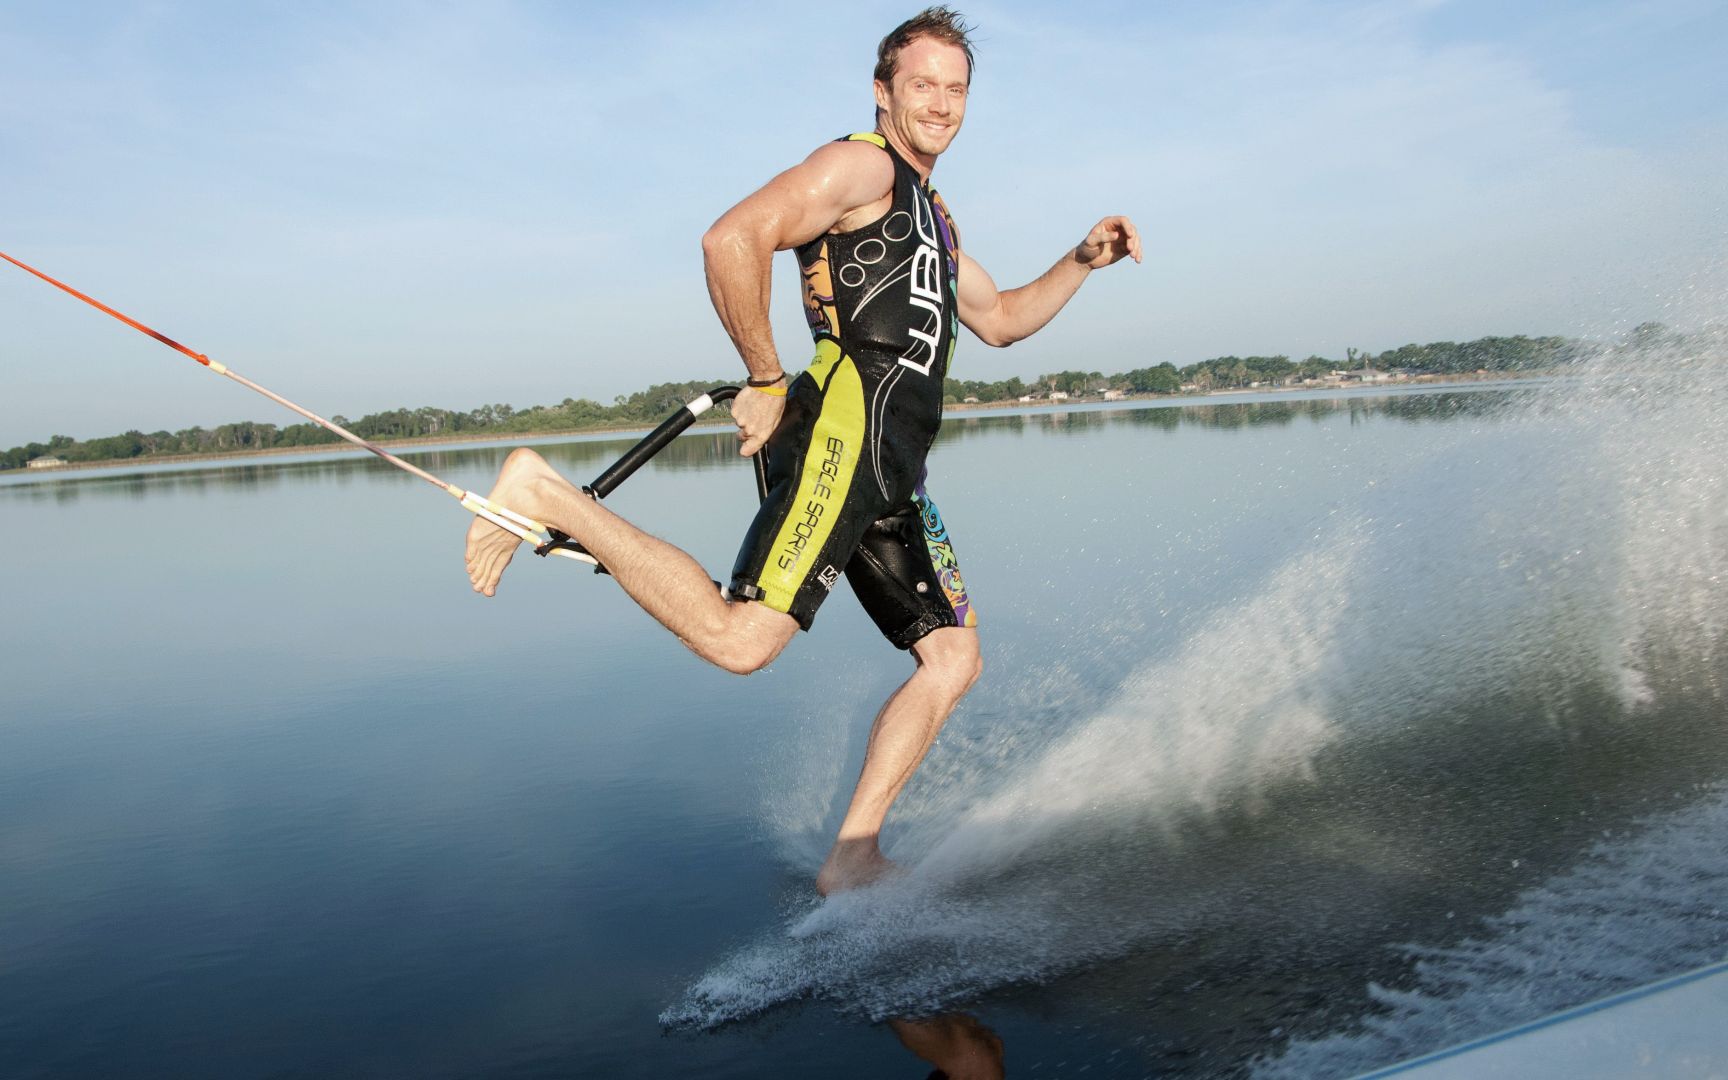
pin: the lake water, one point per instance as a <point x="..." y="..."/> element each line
<point x="1315" y="733"/>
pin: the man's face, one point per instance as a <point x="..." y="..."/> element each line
<point x="924" y="107"/>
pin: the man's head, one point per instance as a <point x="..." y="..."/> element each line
<point x="937" y="23"/>
<point x="923" y="72"/>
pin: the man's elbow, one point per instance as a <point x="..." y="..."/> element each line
<point x="995" y="327"/>
<point x="717" y="239"/>
<point x="742" y="233"/>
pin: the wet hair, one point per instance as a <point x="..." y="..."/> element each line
<point x="940" y="23"/>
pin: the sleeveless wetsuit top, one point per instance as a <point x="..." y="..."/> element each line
<point x="846" y="463"/>
<point x="885" y="296"/>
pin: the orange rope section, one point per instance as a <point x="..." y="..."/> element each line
<point x="100" y="306"/>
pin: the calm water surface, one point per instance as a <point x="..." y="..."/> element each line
<point x="1286" y="702"/>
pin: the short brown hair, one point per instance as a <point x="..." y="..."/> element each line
<point x="940" y="23"/>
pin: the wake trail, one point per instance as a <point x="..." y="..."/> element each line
<point x="1554" y="571"/>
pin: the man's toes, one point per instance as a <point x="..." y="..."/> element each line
<point x="485" y="575"/>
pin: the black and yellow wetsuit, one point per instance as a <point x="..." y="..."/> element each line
<point x="846" y="464"/>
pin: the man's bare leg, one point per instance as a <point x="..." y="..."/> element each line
<point x="669" y="584"/>
<point x="948" y="665"/>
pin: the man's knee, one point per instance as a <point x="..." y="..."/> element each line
<point x="754" y="636"/>
<point x="743" y="657"/>
<point x="952" y="655"/>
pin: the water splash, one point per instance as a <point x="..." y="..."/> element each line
<point x="915" y="945"/>
<point x="1548" y="576"/>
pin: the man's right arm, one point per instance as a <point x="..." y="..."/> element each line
<point x="795" y="207"/>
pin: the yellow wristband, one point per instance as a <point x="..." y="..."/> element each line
<point x="775" y="387"/>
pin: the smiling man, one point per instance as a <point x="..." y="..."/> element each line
<point x="887" y="287"/>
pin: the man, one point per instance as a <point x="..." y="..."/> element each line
<point x="886" y="288"/>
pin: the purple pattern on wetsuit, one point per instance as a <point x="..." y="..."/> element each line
<point x="950" y="244"/>
<point x="942" y="558"/>
<point x="942" y="225"/>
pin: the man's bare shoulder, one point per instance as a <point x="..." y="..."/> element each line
<point x="853" y="153"/>
<point x="838" y="182"/>
<point x="854" y="173"/>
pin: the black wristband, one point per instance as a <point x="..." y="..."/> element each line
<point x="759" y="383"/>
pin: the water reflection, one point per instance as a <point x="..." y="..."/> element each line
<point x="1414" y="407"/>
<point x="717" y="449"/>
<point x="959" y="1045"/>
<point x="701" y="450"/>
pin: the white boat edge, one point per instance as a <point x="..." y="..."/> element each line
<point x="1674" y="1028"/>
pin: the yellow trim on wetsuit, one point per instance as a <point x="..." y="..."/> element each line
<point x="868" y="136"/>
<point x="836" y="441"/>
<point x="827" y="355"/>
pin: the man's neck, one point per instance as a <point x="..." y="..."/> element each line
<point x="922" y="164"/>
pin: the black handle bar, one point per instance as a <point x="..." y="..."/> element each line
<point x="652" y="443"/>
<point x="656" y="441"/>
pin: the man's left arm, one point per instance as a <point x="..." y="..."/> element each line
<point x="1001" y="318"/>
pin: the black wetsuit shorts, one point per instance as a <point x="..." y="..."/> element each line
<point x="832" y="509"/>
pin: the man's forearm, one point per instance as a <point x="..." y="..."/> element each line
<point x="739" y="280"/>
<point x="1025" y="310"/>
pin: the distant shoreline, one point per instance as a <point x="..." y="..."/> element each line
<point x="339" y="446"/>
<point x="721" y="419"/>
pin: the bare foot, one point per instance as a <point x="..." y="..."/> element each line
<point x="853" y="864"/>
<point x="490" y="548"/>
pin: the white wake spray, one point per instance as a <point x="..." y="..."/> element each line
<point x="1569" y="545"/>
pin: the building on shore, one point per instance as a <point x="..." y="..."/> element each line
<point x="1368" y="375"/>
<point x="46" y="461"/>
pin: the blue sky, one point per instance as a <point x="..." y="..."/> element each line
<point x="364" y="206"/>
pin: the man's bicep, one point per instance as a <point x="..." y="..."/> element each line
<point x="808" y="199"/>
<point x="979" y="302"/>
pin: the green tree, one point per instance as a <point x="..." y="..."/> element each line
<point x="1162" y="379"/>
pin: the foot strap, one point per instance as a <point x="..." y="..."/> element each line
<point x="562" y="543"/>
<point x="546" y="540"/>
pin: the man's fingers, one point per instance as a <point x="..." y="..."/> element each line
<point x="747" y="442"/>
<point x="757" y="415"/>
<point x="1117" y="232"/>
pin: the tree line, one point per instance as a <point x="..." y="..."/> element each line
<point x="1496" y="354"/>
<point x="645" y="407"/>
<point x="642" y="408"/>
